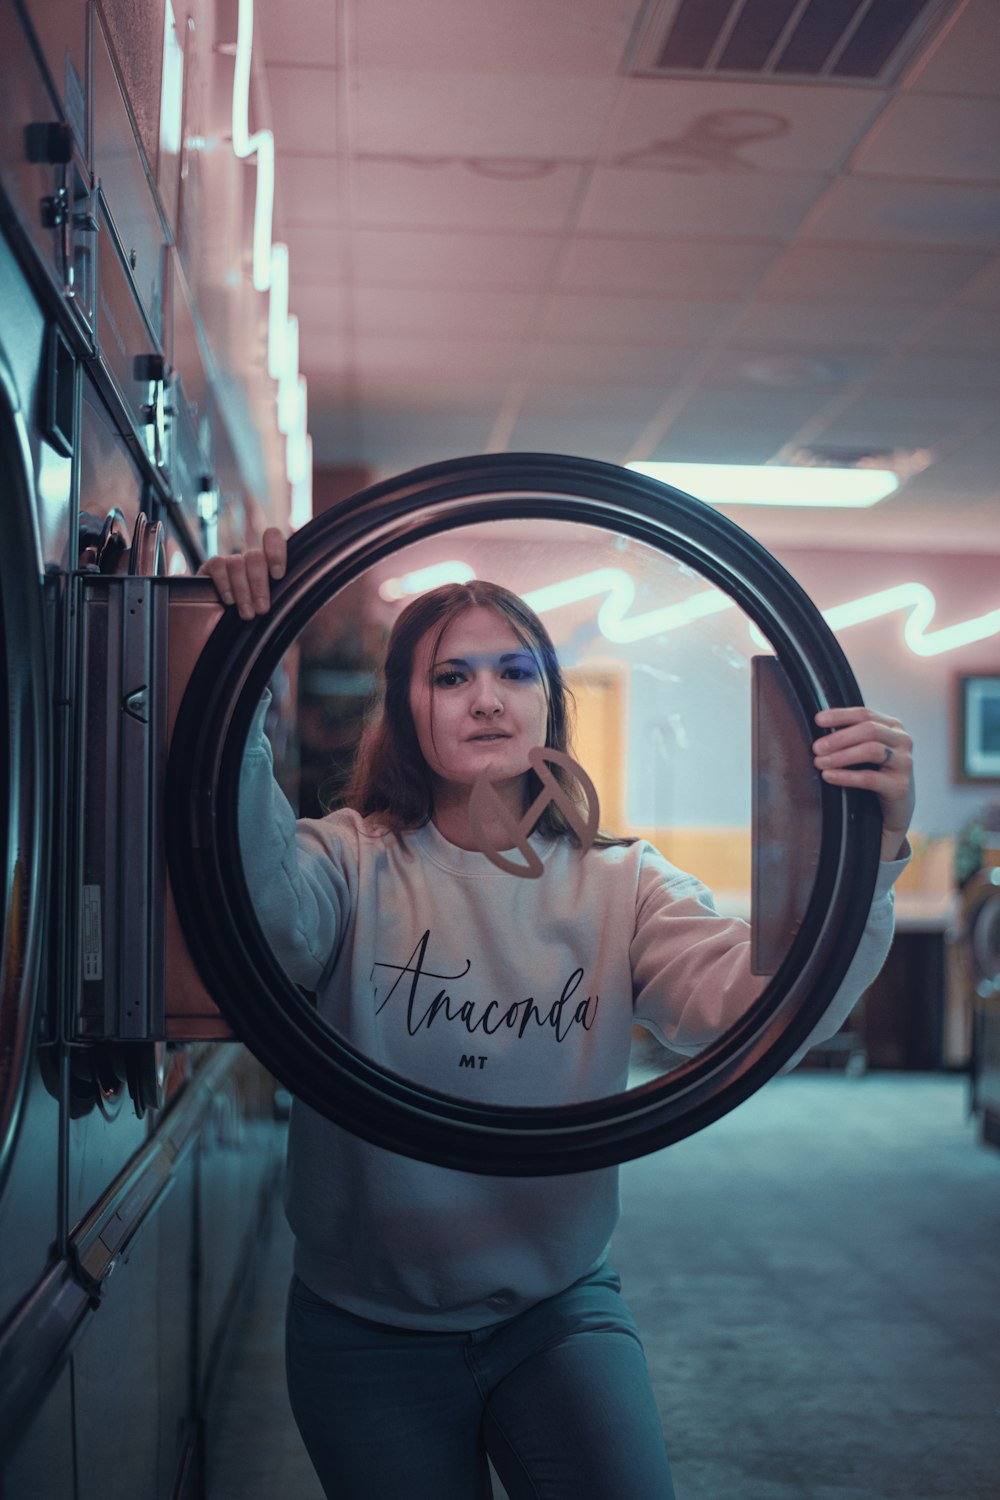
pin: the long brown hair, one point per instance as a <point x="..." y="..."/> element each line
<point x="390" y="776"/>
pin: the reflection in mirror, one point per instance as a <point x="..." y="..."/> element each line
<point x="437" y="963"/>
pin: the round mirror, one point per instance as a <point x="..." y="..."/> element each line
<point x="689" y="666"/>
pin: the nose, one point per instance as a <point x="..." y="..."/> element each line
<point x="487" y="702"/>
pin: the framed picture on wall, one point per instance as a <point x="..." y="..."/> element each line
<point x="977" y="722"/>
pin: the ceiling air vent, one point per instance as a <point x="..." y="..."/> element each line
<point x="832" y="41"/>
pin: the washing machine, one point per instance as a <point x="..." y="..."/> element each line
<point x="126" y="1161"/>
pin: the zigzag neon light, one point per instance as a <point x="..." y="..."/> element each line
<point x="260" y="144"/>
<point x="613" y="623"/>
<point x="270" y="274"/>
<point x="618" y="587"/>
<point x="918" y="599"/>
<point x="612" y="616"/>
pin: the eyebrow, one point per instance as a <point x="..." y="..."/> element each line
<point x="487" y="656"/>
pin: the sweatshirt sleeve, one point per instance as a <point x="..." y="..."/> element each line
<point x="691" y="966"/>
<point x="299" y="889"/>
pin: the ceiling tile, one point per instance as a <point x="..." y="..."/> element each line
<point x="823" y="329"/>
<point x="929" y="136"/>
<point x="929" y="374"/>
<point x="692" y="442"/>
<point x="777" y="414"/>
<point x="325" y="354"/>
<point x="860" y="210"/>
<point x="706" y="270"/>
<point x="640" y="320"/>
<point x="303" y="107"/>
<point x="479" y="36"/>
<point x="316" y="254"/>
<point x="984" y="289"/>
<point x="959" y="326"/>
<point x="546" y="397"/>
<point x="844" y="275"/>
<point x="693" y="127"/>
<point x="307" y="191"/>
<point x="479" y="115"/>
<point x="319" y="308"/>
<point x="395" y="440"/>
<point x="384" y="257"/>
<point x="462" y="365"/>
<point x="609" y="364"/>
<point x="608" y="442"/>
<point x="303" y="33"/>
<point x="452" y="193"/>
<point x="883" y="422"/>
<point x="433" y="312"/>
<point x="964" y="61"/>
<point x="661" y="202"/>
<point x="756" y="369"/>
<point x="975" y="463"/>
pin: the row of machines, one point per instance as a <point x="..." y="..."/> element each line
<point x="135" y="1169"/>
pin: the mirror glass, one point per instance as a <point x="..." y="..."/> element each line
<point x="489" y="980"/>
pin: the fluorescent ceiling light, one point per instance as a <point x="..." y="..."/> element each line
<point x="773" y="484"/>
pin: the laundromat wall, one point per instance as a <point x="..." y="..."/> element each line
<point x="138" y="433"/>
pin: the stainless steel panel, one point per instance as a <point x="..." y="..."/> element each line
<point x="40" y="1464"/>
<point x="121" y="172"/>
<point x="23" y="358"/>
<point x="123" y="672"/>
<point x="135" y="31"/>
<point x="129" y="347"/>
<point x="60" y="27"/>
<point x="29" y="1205"/>
<point x="176" y="1306"/>
<point x="115" y="1370"/>
<point x="109" y="478"/>
<point x="42" y="174"/>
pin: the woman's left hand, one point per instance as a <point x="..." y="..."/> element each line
<point x="860" y="737"/>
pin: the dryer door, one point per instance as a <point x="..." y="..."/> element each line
<point x="24" y="772"/>
<point x="657" y="606"/>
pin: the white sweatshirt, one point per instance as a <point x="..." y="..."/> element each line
<point x="453" y="973"/>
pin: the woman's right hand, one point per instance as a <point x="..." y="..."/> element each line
<point x="244" y="578"/>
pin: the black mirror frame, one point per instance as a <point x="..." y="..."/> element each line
<point x="235" y="961"/>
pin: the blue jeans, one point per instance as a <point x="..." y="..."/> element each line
<point x="559" y="1397"/>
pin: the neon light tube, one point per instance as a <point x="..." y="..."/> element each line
<point x="619" y="590"/>
<point x="767" y="484"/>
<point x="423" y="579"/>
<point x="260" y="144"/>
<point x="619" y="587"/>
<point x="302" y="505"/>
<point x="277" y="312"/>
<point x="171" y="86"/>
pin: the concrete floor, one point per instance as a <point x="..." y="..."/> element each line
<point x="817" y="1279"/>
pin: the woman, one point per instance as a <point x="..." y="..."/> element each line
<point x="436" y="1316"/>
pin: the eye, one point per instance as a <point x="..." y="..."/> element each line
<point x="524" y="670"/>
<point x="449" y="677"/>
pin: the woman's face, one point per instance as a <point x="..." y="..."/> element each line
<point x="480" y="704"/>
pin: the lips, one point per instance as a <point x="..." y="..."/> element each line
<point x="476" y="739"/>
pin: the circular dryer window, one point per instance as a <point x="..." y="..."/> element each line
<point x="559" y="988"/>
